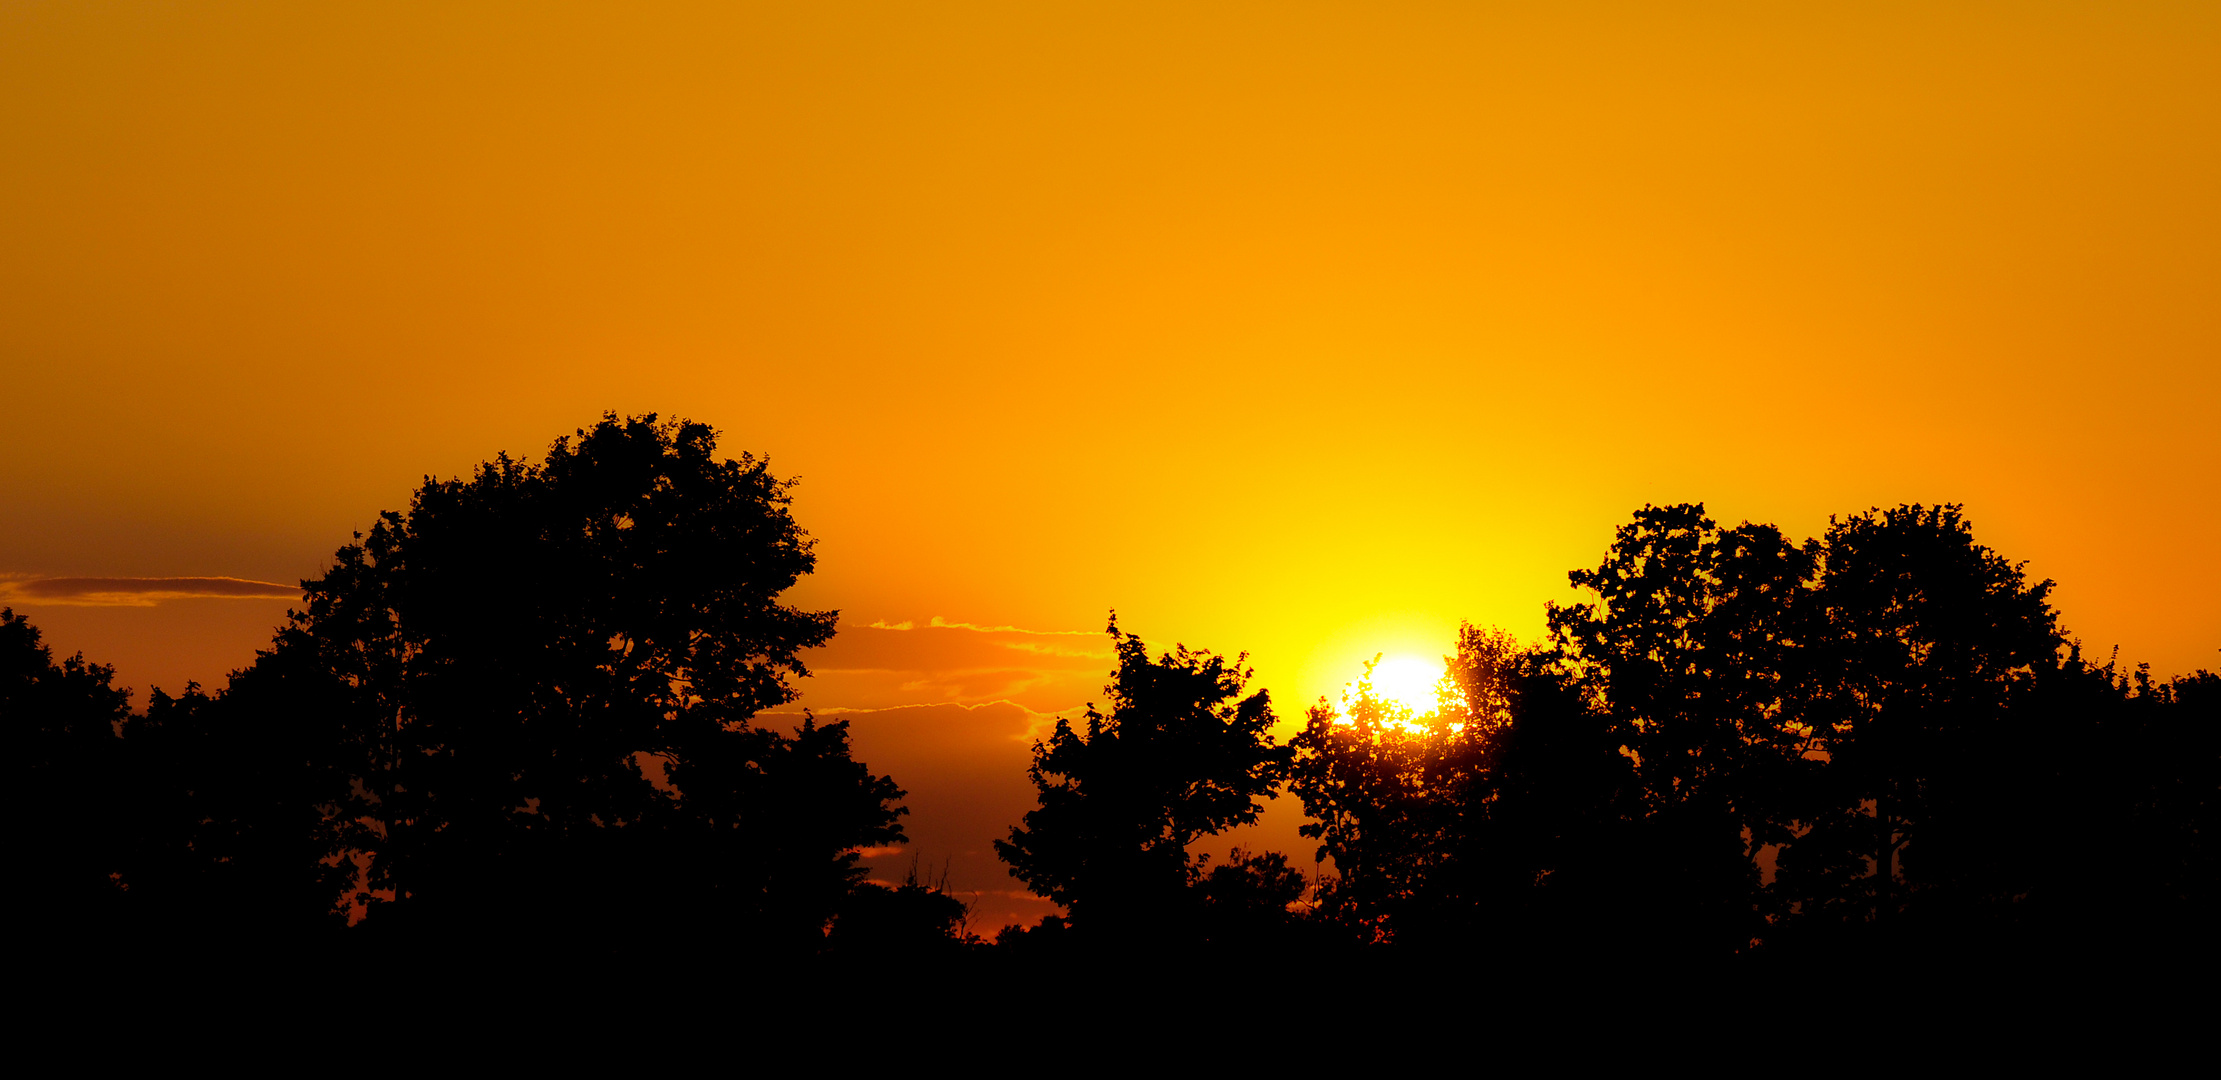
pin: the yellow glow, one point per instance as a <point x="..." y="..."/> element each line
<point x="1408" y="681"/>
<point x="1061" y="308"/>
<point x="268" y="265"/>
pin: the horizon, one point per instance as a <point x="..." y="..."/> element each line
<point x="1309" y="334"/>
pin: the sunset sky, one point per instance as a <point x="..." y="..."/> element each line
<point x="1306" y="330"/>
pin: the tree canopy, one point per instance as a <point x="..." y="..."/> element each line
<point x="518" y="713"/>
<point x="543" y="676"/>
<point x="1920" y="642"/>
<point x="64" y="719"/>
<point x="519" y="718"/>
<point x="1180" y="752"/>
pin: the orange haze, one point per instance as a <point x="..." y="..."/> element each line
<point x="1303" y="329"/>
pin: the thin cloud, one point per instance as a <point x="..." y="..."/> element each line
<point x="1053" y="649"/>
<point x="939" y="623"/>
<point x="907" y="662"/>
<point x="138" y="591"/>
<point x="947" y="625"/>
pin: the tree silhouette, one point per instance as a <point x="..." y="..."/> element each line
<point x="2095" y="830"/>
<point x="916" y="922"/>
<point x="1554" y="861"/>
<point x="515" y="722"/>
<point x="1922" y="642"/>
<point x="63" y="722"/>
<point x="243" y="826"/>
<point x="1686" y="650"/>
<point x="1180" y="753"/>
<point x="534" y="691"/>
<point x="1385" y="787"/>
<point x="183" y="829"/>
<point x="1446" y="826"/>
<point x="1244" y="903"/>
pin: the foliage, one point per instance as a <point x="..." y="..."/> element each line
<point x="170" y="830"/>
<point x="1393" y="793"/>
<point x="1687" y="650"/>
<point x="1384" y="787"/>
<point x="63" y="720"/>
<point x="1246" y="902"/>
<point x="1551" y="839"/>
<point x="1181" y="752"/>
<point x="518" y="716"/>
<point x="1921" y="641"/>
<point x="1729" y="703"/>
<point x="536" y="686"/>
<point x="918" y="921"/>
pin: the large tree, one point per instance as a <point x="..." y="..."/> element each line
<point x="1688" y="649"/>
<point x="1180" y="752"/>
<point x="535" y="691"/>
<point x="1926" y="652"/>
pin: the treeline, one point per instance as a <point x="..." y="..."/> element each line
<point x="510" y="724"/>
<point x="515" y="723"/>
<point x="1879" y="740"/>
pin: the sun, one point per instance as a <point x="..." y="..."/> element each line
<point x="1408" y="680"/>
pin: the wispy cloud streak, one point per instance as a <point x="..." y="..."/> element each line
<point x="939" y="623"/>
<point x="139" y="591"/>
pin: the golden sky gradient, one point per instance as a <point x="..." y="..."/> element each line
<point x="1301" y="329"/>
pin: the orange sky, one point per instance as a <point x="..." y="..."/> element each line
<point x="1301" y="329"/>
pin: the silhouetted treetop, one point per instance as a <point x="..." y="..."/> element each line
<point x="634" y="549"/>
<point x="1919" y="642"/>
<point x="61" y="722"/>
<point x="519" y="715"/>
<point x="546" y="673"/>
<point x="1390" y="790"/>
<point x="1181" y="752"/>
